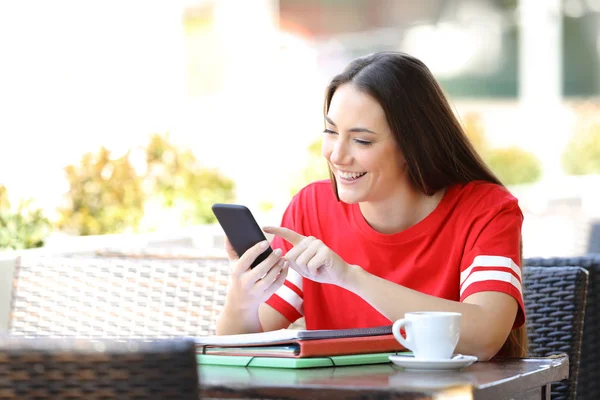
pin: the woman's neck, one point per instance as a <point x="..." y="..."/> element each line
<point x="400" y="212"/>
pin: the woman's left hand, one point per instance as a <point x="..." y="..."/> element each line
<point x="311" y="258"/>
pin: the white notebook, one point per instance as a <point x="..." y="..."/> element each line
<point x="283" y="335"/>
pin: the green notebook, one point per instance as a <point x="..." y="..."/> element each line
<point x="281" y="362"/>
<point x="286" y="376"/>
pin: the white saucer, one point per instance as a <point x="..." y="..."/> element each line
<point x="409" y="362"/>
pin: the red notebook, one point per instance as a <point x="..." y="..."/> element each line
<point x="311" y="348"/>
<point x="302" y="343"/>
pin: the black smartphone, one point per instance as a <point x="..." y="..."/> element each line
<point x="241" y="229"/>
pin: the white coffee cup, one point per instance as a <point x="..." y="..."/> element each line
<point x="429" y="335"/>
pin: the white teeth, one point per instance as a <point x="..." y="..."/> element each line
<point x="351" y="175"/>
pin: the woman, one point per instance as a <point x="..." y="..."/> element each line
<point x="415" y="222"/>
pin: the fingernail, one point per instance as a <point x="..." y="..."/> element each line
<point x="264" y="244"/>
<point x="277" y="252"/>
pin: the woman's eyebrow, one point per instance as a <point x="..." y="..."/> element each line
<point x="330" y="121"/>
<point x="359" y="130"/>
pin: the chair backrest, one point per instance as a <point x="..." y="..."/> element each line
<point x="555" y="301"/>
<point x="588" y="386"/>
<point x="93" y="369"/>
<point x="91" y="296"/>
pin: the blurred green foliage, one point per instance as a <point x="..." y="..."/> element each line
<point x="22" y="228"/>
<point x="512" y="165"/>
<point x="108" y="195"/>
<point x="105" y="196"/>
<point x="475" y="131"/>
<point x="176" y="177"/>
<point x="582" y="154"/>
<point x="315" y="169"/>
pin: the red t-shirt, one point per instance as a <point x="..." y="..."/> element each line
<point x="470" y="243"/>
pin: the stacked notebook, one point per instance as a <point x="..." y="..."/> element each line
<point x="287" y="348"/>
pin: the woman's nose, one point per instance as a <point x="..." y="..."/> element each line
<point x="338" y="153"/>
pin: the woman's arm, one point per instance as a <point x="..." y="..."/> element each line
<point x="487" y="317"/>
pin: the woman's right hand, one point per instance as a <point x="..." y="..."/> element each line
<point x="251" y="287"/>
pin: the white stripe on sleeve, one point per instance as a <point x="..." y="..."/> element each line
<point x="291" y="297"/>
<point x="481" y="276"/>
<point x="294" y="278"/>
<point x="490" y="262"/>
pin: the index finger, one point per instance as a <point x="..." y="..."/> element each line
<point x="251" y="254"/>
<point x="286" y="234"/>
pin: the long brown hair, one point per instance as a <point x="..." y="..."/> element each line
<point x="437" y="151"/>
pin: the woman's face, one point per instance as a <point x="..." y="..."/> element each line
<point x="360" y="148"/>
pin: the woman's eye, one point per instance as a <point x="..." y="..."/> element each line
<point x="329" y="132"/>
<point x="362" y="142"/>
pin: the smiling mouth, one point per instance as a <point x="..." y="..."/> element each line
<point x="351" y="176"/>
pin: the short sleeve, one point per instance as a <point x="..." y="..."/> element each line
<point x="492" y="259"/>
<point x="289" y="298"/>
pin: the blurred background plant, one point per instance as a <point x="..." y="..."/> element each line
<point x="21" y="227"/>
<point x="176" y="183"/>
<point x="475" y="131"/>
<point x="105" y="196"/>
<point x="115" y="195"/>
<point x="512" y="165"/>
<point x="581" y="156"/>
<point x="315" y="168"/>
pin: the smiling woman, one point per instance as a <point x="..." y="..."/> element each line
<point x="411" y="220"/>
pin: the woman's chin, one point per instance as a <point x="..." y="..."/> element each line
<point x="348" y="198"/>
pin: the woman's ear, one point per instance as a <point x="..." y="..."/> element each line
<point x="403" y="164"/>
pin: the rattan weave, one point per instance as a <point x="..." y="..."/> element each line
<point x="117" y="297"/>
<point x="555" y="305"/>
<point x="588" y="386"/>
<point x="97" y="369"/>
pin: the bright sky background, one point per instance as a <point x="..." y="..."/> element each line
<point x="76" y="75"/>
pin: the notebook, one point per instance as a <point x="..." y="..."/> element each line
<point x="283" y="335"/>
<point x="285" y="362"/>
<point x="301" y="343"/>
<point x="298" y="348"/>
<point x="259" y="375"/>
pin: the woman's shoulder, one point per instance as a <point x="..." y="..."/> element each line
<point x="321" y="190"/>
<point x="310" y="204"/>
<point x="484" y="195"/>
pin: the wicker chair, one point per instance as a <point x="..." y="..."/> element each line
<point x="91" y="296"/>
<point x="97" y="369"/>
<point x="589" y="372"/>
<point x="555" y="301"/>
